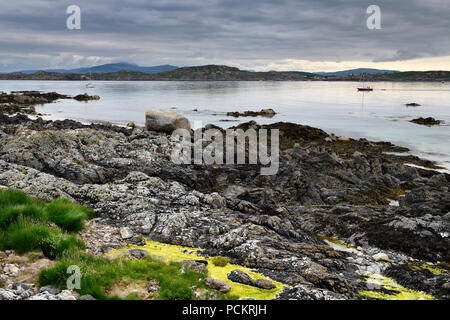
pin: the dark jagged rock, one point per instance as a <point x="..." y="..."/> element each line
<point x="268" y="113"/>
<point x="421" y="279"/>
<point x="30" y="97"/>
<point x="86" y="97"/>
<point x="427" y="121"/>
<point x="242" y="277"/>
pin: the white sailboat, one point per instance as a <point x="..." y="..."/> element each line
<point x="90" y="84"/>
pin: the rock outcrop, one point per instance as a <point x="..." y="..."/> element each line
<point x="427" y="121"/>
<point x="268" y="113"/>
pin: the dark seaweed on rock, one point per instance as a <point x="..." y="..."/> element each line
<point x="427" y="121"/>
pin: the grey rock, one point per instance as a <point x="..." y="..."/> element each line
<point x="138" y="253"/>
<point x="308" y="292"/>
<point x="50" y="289"/>
<point x="381" y="257"/>
<point x="217" y="284"/>
<point x="8" y="295"/>
<point x="242" y="277"/>
<point x="264" y="284"/>
<point x="166" y="122"/>
<point x="194" y="266"/>
<point x="126" y="233"/>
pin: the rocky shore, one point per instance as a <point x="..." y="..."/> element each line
<point x="342" y="219"/>
<point x="24" y="101"/>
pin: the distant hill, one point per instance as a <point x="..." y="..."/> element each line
<point x="358" y="71"/>
<point x="398" y="76"/>
<point x="200" y="73"/>
<point x="111" y="67"/>
<point x="224" y="73"/>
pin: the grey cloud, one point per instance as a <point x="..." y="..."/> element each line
<point x="188" y="32"/>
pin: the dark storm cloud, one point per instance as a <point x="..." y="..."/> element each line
<point x="188" y="32"/>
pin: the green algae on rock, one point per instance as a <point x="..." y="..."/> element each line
<point x="375" y="281"/>
<point x="427" y="266"/>
<point x="176" y="253"/>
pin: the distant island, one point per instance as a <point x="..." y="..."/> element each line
<point x="109" y="67"/>
<point x="398" y="76"/>
<point x="358" y="71"/>
<point x="219" y="73"/>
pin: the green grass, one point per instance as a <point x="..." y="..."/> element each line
<point x="25" y="224"/>
<point x="27" y="235"/>
<point x="68" y="215"/>
<point x="65" y="214"/>
<point x="99" y="274"/>
<point x="10" y="214"/>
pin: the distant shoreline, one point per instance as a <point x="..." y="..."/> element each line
<point x="233" y="80"/>
<point x="225" y="73"/>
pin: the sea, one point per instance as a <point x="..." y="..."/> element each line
<point x="336" y="107"/>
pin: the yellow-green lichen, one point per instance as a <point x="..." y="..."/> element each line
<point x="433" y="269"/>
<point x="175" y="253"/>
<point x="380" y="281"/>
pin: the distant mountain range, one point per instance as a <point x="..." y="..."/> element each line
<point x="111" y="67"/>
<point x="358" y="71"/>
<point x="218" y="73"/>
<point x="125" y="66"/>
<point x="197" y="73"/>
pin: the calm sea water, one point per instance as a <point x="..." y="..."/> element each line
<point x="333" y="106"/>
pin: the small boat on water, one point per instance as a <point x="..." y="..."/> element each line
<point x="90" y="84"/>
<point x="364" y="87"/>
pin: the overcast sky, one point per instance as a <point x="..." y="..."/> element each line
<point x="304" y="35"/>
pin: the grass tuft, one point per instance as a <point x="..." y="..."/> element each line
<point x="27" y="235"/>
<point x="25" y="224"/>
<point x="68" y="215"/>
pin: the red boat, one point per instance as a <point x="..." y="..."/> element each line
<point x="364" y="88"/>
